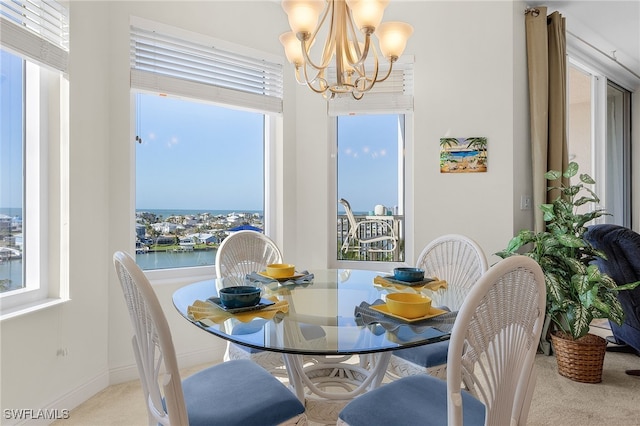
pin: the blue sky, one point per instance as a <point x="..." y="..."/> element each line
<point x="199" y="156"/>
<point x="368" y="160"/>
<point x="10" y="131"/>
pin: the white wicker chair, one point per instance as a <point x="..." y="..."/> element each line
<point x="374" y="236"/>
<point x="461" y="262"/>
<point x="242" y="253"/>
<point x="492" y="350"/>
<point x="208" y="397"/>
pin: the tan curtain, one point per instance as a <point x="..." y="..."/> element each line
<point x="547" y="66"/>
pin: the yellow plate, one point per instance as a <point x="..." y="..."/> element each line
<point x="292" y="277"/>
<point x="433" y="312"/>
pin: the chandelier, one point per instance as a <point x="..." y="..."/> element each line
<point x="351" y="25"/>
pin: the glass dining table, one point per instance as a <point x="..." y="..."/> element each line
<point x="351" y="340"/>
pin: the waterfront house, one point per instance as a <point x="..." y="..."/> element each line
<point x="470" y="79"/>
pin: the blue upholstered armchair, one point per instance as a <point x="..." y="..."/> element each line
<point x="622" y="248"/>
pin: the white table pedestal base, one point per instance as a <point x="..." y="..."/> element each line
<point x="325" y="384"/>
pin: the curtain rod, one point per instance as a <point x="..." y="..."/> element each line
<point x="535" y="12"/>
<point x="611" y="57"/>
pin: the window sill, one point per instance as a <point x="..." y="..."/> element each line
<point x="173" y="276"/>
<point x="20" y="310"/>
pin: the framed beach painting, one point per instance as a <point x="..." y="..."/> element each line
<point x="463" y="155"/>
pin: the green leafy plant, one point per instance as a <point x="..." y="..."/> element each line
<point x="577" y="292"/>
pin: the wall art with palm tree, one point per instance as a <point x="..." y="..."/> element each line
<point x="463" y="155"/>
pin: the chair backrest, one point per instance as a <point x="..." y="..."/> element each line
<point x="456" y="259"/>
<point x="347" y="209"/>
<point x="152" y="345"/>
<point x="242" y="253"/>
<point x="494" y="341"/>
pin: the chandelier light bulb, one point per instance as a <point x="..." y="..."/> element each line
<point x="303" y="14"/>
<point x="392" y="37"/>
<point x="292" y="48"/>
<point x="367" y="14"/>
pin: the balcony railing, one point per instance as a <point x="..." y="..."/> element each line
<point x="378" y="251"/>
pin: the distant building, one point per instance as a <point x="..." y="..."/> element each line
<point x="5" y="224"/>
<point x="187" y="242"/>
<point x="204" y="238"/>
<point x="165" y="227"/>
<point x="165" y="239"/>
<point x="141" y="231"/>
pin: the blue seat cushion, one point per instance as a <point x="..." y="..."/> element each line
<point x="238" y="393"/>
<point x="427" y="355"/>
<point x="415" y="400"/>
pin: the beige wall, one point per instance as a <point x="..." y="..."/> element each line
<point x="470" y="81"/>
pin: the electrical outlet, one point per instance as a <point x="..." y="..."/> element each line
<point x="525" y="202"/>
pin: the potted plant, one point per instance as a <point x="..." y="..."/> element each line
<point x="577" y="292"/>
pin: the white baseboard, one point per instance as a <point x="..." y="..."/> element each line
<point x="52" y="412"/>
<point x="101" y="381"/>
<point x="185" y="360"/>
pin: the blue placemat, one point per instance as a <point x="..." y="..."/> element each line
<point x="306" y="278"/>
<point x="365" y="315"/>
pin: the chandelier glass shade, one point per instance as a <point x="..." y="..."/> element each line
<point x="348" y="27"/>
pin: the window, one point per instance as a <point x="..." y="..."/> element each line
<point x="34" y="102"/>
<point x="371" y="179"/>
<point x="12" y="68"/>
<point x="199" y="173"/>
<point x="372" y="137"/>
<point x="599" y="139"/>
<point x="205" y="130"/>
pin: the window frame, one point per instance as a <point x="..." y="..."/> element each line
<point x="269" y="104"/>
<point x="198" y="273"/>
<point x="390" y="97"/>
<point x="603" y="70"/>
<point x="407" y="192"/>
<point x="45" y="125"/>
<point x="599" y="151"/>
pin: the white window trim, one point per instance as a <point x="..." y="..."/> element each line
<point x="407" y="196"/>
<point x="46" y="284"/>
<point x="395" y="98"/>
<point x="40" y="31"/>
<point x="599" y="84"/>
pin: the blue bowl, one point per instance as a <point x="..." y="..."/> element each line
<point x="410" y="275"/>
<point x="239" y="296"/>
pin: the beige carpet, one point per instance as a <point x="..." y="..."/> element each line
<point x="557" y="401"/>
<point x="560" y="401"/>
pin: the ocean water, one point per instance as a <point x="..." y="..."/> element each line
<point x="12" y="270"/>
<point x="164" y="260"/>
<point x="11" y="211"/>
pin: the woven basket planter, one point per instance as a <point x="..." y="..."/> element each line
<point x="580" y="360"/>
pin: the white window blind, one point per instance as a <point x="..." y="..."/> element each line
<point x="38" y="30"/>
<point x="166" y="63"/>
<point x="394" y="95"/>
